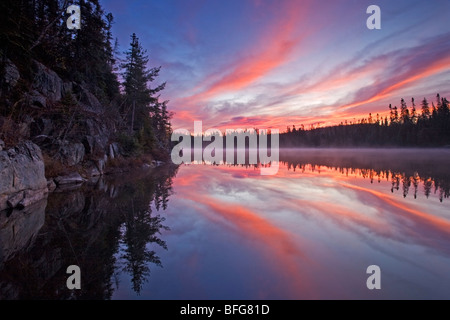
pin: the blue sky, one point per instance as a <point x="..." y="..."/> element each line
<point x="269" y="64"/>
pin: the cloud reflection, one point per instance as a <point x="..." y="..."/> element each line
<point x="288" y="217"/>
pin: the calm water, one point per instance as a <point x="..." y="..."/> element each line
<point x="226" y="232"/>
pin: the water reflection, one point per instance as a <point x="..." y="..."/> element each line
<point x="405" y="169"/>
<point x="308" y="232"/>
<point x="140" y="229"/>
<point x="106" y="228"/>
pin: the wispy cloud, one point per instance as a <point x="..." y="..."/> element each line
<point x="264" y="63"/>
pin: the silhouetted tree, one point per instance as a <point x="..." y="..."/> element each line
<point x="425" y="109"/>
<point x="430" y="129"/>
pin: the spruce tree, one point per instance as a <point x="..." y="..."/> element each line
<point x="425" y="109"/>
<point x="141" y="102"/>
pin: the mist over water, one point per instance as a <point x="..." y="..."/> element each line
<point x="227" y="232"/>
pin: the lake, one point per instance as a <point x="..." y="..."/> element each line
<point x="227" y="232"/>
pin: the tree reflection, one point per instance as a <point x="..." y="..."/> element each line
<point x="141" y="230"/>
<point x="404" y="169"/>
<point x="106" y="228"/>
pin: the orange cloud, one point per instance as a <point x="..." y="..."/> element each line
<point x="279" y="245"/>
<point x="436" y="67"/>
<point x="272" y="51"/>
<point x="281" y="248"/>
<point x="423" y="218"/>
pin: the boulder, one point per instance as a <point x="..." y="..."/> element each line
<point x="2" y="145"/>
<point x="15" y="199"/>
<point x="73" y="178"/>
<point x="90" y="102"/>
<point x="95" y="145"/>
<point x="111" y="152"/>
<point x="71" y="153"/>
<point x="51" y="185"/>
<point x="92" y="171"/>
<point x="47" y="82"/>
<point x="32" y="196"/>
<point x="89" y="144"/>
<point x="36" y="99"/>
<point x="21" y="168"/>
<point x="11" y="75"/>
<point x="101" y="164"/>
<point x="114" y="151"/>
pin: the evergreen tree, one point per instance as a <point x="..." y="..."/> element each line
<point x="413" y="112"/>
<point x="136" y="78"/>
<point x="428" y="130"/>
<point x="404" y="112"/>
<point x="425" y="109"/>
<point x="145" y="115"/>
<point x="395" y="115"/>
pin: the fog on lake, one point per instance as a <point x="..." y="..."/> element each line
<point x="202" y="231"/>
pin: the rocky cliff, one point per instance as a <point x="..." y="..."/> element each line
<point x="61" y="133"/>
<point x="22" y="176"/>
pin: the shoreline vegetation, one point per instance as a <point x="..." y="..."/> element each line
<point x="72" y="108"/>
<point x="404" y="128"/>
<point x="410" y="172"/>
<point x="88" y="108"/>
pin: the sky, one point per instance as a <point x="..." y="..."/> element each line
<point x="271" y="64"/>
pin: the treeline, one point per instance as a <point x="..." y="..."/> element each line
<point x="405" y="127"/>
<point x="36" y="30"/>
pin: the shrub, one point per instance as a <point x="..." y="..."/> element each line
<point x="53" y="167"/>
<point x="130" y="144"/>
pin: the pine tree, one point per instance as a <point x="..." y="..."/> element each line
<point x="391" y="113"/>
<point x="92" y="53"/>
<point x="413" y="112"/>
<point x="17" y="27"/>
<point x="145" y="115"/>
<point x="404" y="112"/>
<point x="425" y="109"/>
<point x="136" y="76"/>
<point x="395" y="115"/>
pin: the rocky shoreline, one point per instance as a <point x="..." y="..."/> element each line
<point x="23" y="179"/>
<point x="22" y="176"/>
<point x="65" y="138"/>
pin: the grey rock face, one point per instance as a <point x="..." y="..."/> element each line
<point x="36" y="99"/>
<point x="21" y="170"/>
<point x="51" y="185"/>
<point x="73" y="178"/>
<point x="114" y="150"/>
<point x="11" y="75"/>
<point x="101" y="164"/>
<point x="90" y="101"/>
<point x="47" y="82"/>
<point x="71" y="153"/>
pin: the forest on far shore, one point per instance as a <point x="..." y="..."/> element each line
<point x="405" y="127"/>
